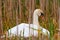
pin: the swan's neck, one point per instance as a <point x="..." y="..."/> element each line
<point x="35" y="19"/>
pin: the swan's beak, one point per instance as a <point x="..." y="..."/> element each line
<point x="42" y="16"/>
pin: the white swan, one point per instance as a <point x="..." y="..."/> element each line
<point x="35" y="26"/>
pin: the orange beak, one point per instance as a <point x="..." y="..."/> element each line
<point x="43" y="18"/>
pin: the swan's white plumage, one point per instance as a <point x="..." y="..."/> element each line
<point x="35" y="25"/>
<point x="25" y="26"/>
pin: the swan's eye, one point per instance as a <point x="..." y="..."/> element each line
<point x="42" y="14"/>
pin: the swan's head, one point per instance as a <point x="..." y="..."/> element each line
<point x="39" y="12"/>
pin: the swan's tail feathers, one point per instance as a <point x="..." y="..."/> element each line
<point x="48" y="34"/>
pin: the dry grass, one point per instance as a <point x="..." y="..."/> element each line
<point x="14" y="12"/>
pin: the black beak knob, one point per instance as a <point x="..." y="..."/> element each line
<point x="42" y="14"/>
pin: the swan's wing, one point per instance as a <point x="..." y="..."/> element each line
<point x="45" y="31"/>
<point x="23" y="27"/>
<point x="13" y="31"/>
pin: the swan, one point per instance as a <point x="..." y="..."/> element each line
<point x="24" y="27"/>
